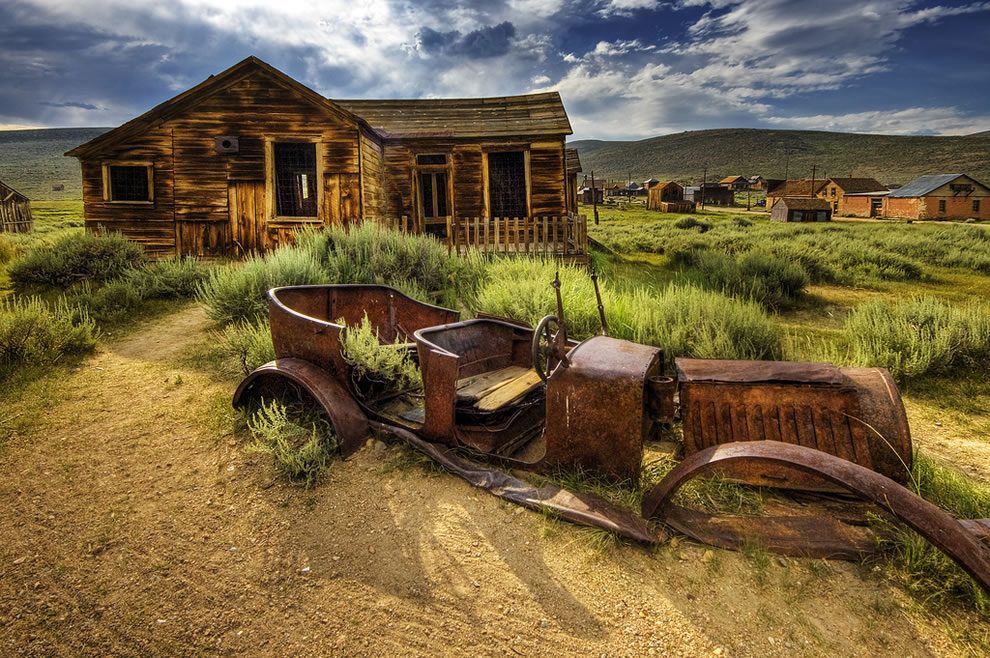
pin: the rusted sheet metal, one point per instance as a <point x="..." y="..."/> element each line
<point x="949" y="535"/>
<point x="349" y="422"/>
<point x="853" y="413"/>
<point x="583" y="509"/>
<point x="596" y="407"/>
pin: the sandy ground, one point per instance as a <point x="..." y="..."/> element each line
<point x="135" y="524"/>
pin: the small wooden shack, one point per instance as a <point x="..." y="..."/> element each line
<point x="573" y="161"/>
<point x="241" y="161"/>
<point x="710" y="194"/>
<point x="668" y="196"/>
<point x="735" y="183"/>
<point x="798" y="187"/>
<point x="15" y="211"/>
<point x="801" y="209"/>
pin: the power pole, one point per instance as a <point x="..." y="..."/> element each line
<point x="787" y="162"/>
<point x="704" y="181"/>
<point x="594" y="197"/>
<point x="811" y="192"/>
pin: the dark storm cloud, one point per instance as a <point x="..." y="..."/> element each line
<point x="490" y="41"/>
<point x="75" y="104"/>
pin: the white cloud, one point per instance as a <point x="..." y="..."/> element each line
<point x="626" y="7"/>
<point x="911" y="121"/>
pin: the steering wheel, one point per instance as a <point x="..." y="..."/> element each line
<point x="546" y="352"/>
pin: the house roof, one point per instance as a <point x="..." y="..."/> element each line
<point x="665" y="184"/>
<point x="7" y="192"/>
<point x="505" y="116"/>
<point x="922" y="185"/>
<point x="573" y="161"/>
<point x="857" y="185"/>
<point x="800" y="187"/>
<point x="732" y="179"/>
<point x="650" y="181"/>
<point x="804" y="203"/>
<point x="192" y="97"/>
<point x="871" y="193"/>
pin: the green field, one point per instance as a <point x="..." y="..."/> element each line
<point x="32" y="161"/>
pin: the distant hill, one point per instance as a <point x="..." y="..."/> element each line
<point x="31" y="161"/>
<point x="890" y="159"/>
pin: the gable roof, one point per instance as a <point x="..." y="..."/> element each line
<point x="799" y="187"/>
<point x="922" y="185"/>
<point x="7" y="193"/>
<point x="503" y="116"/>
<point x="857" y="185"/>
<point x="192" y="97"/>
<point x="732" y="179"/>
<point x="573" y="162"/>
<point x="804" y="203"/>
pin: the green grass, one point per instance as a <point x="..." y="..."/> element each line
<point x="299" y="439"/>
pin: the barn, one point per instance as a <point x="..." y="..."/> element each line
<point x="939" y="196"/>
<point x="801" y="209"/>
<point x="241" y="161"/>
<point x="15" y="211"/>
<point x="668" y="196"/>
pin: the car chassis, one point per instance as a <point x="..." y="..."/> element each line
<point x="499" y="395"/>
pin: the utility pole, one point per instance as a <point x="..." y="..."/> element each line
<point x="704" y="181"/>
<point x="811" y="192"/>
<point x="594" y="197"/>
<point x="787" y="162"/>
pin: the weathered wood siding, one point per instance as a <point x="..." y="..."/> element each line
<point x="373" y="201"/>
<point x="398" y="180"/>
<point x="547" y="173"/>
<point x="15" y="211"/>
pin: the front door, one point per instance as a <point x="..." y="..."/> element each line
<point x="433" y="194"/>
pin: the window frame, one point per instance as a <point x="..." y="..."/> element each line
<point x="486" y="184"/>
<point x="271" y="202"/>
<point x="941" y="205"/>
<point x="108" y="192"/>
<point x="976" y="205"/>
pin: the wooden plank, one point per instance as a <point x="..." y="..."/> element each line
<point x="510" y="391"/>
<point x="476" y="387"/>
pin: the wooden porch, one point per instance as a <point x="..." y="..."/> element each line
<point x="558" y="236"/>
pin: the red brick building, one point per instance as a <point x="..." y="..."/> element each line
<point x="940" y="196"/>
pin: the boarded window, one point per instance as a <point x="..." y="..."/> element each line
<point x="976" y="205"/>
<point x="941" y="205"/>
<point x="507" y="184"/>
<point x="129" y="182"/>
<point x="295" y="179"/>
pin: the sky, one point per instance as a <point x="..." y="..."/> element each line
<point x="626" y="69"/>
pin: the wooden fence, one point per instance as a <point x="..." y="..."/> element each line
<point x="15" y="216"/>
<point x="558" y="235"/>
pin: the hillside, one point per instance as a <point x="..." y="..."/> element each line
<point x="31" y="161"/>
<point x="683" y="156"/>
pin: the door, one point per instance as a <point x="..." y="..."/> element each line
<point x="248" y="230"/>
<point x="434" y="202"/>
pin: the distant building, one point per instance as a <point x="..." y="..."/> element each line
<point x="801" y="209"/>
<point x="734" y="183"/>
<point x="864" y="204"/>
<point x="710" y="194"/>
<point x="668" y="196"/>
<point x="761" y="184"/>
<point x="939" y="196"/>
<point x="805" y="187"/>
<point x="15" y="211"/>
<point x="572" y="162"/>
<point x="649" y="183"/>
<point x="836" y="189"/>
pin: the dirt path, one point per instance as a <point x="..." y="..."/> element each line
<point x="134" y="524"/>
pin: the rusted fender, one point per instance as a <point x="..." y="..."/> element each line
<point x="948" y="534"/>
<point x="349" y="422"/>
<point x="583" y="509"/>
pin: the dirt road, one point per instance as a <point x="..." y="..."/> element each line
<point x="135" y="524"/>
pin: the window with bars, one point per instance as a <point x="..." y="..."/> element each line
<point x="129" y="182"/>
<point x="295" y="179"/>
<point x="507" y="184"/>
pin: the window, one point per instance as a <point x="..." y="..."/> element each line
<point x="941" y="205"/>
<point x="295" y="179"/>
<point x="507" y="184"/>
<point x="976" y="205"/>
<point x="832" y="191"/>
<point x="132" y="183"/>
<point x="431" y="159"/>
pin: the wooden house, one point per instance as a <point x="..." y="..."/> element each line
<point x="761" y="184"/>
<point x="573" y="164"/>
<point x="836" y="189"/>
<point x="805" y="187"/>
<point x="239" y="162"/>
<point x="939" y="196"/>
<point x="710" y="194"/>
<point x="801" y="209"/>
<point x="668" y="196"/>
<point x="15" y="211"/>
<point x="735" y="183"/>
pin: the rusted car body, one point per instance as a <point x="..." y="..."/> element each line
<point x="596" y="404"/>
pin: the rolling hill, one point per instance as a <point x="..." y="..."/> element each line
<point x="31" y="161"/>
<point x="748" y="152"/>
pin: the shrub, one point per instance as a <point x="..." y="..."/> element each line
<point x="236" y="292"/>
<point x="683" y="320"/>
<point x="96" y="257"/>
<point x="381" y="369"/>
<point x="32" y="332"/>
<point x="248" y="343"/>
<point x="692" y="222"/>
<point x="761" y="277"/>
<point x="918" y="336"/>
<point x="299" y="448"/>
<point x="176" y="278"/>
<point x="7" y="250"/>
<point x="114" y="301"/>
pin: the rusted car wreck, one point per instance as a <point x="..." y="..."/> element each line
<point x="499" y="395"/>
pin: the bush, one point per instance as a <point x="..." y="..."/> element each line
<point x="176" y="278"/>
<point x="683" y="320"/>
<point x="381" y="369"/>
<point x="112" y="302"/>
<point x="919" y="336"/>
<point x="758" y="276"/>
<point x="248" y="343"/>
<point x="692" y="222"/>
<point x="95" y="257"/>
<point x="33" y="333"/>
<point x="7" y="250"/>
<point x="236" y="292"/>
<point x="300" y="450"/>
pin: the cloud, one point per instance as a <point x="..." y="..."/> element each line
<point x="76" y="104"/>
<point x="626" y="7"/>
<point x="910" y="121"/>
<point x="490" y="41"/>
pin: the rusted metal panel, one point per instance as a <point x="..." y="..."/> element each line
<point x="855" y="414"/>
<point x="596" y="407"/>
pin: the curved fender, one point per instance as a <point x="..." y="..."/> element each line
<point x="349" y="422"/>
<point x="952" y="537"/>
